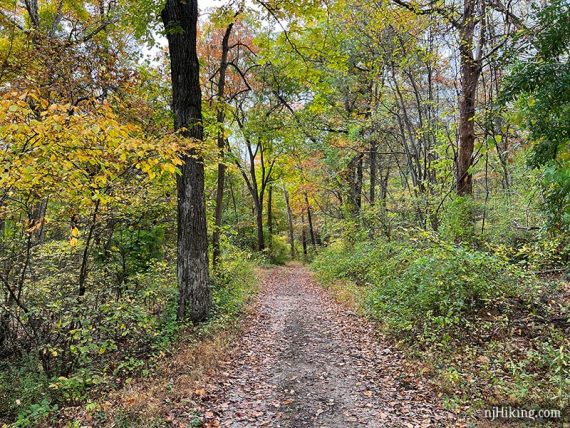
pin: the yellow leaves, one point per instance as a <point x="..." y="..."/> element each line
<point x="73" y="240"/>
<point x="68" y="151"/>
<point x="168" y="167"/>
<point x="80" y="157"/>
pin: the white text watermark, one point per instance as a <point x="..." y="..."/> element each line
<point x="496" y="413"/>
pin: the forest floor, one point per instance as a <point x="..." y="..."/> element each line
<point x="303" y="360"/>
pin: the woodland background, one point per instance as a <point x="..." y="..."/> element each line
<point x="416" y="153"/>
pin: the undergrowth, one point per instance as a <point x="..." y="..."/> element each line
<point x="132" y="335"/>
<point x="487" y="327"/>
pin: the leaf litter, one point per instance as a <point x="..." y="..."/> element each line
<point x="303" y="360"/>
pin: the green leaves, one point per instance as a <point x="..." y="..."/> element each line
<point x="426" y="288"/>
<point x="541" y="87"/>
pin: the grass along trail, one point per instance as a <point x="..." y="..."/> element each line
<point x="304" y="360"/>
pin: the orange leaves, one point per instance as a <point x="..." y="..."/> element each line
<point x="200" y="392"/>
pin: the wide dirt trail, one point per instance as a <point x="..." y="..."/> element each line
<point x="305" y="361"/>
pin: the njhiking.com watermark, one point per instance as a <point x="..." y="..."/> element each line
<point x="498" y="413"/>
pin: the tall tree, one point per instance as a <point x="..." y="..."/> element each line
<point x="290" y="230"/>
<point x="220" y="118"/>
<point x="471" y="20"/>
<point x="180" y="19"/>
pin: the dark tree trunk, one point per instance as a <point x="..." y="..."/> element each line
<point x="259" y="224"/>
<point x="384" y="186"/>
<point x="290" y="224"/>
<point x="373" y="171"/>
<point x="83" y="272"/>
<point x="270" y="211"/>
<point x="33" y="12"/>
<point x="180" y="18"/>
<point x="470" y="76"/>
<point x="358" y="184"/>
<point x="234" y="203"/>
<point x="218" y="213"/>
<point x="304" y="235"/>
<point x="221" y="147"/>
<point x="470" y="72"/>
<point x="256" y="192"/>
<point x="310" y="219"/>
<point x="355" y="183"/>
<point x="38" y="220"/>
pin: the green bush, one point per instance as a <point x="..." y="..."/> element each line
<point x="278" y="250"/>
<point x="457" y="224"/>
<point x="233" y="282"/>
<point x="22" y="387"/>
<point x="92" y="344"/>
<point x="445" y="287"/>
<point x="426" y="287"/>
<point x="365" y="263"/>
<point x="462" y="310"/>
<point x="554" y="360"/>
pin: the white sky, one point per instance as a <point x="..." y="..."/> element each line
<point x="204" y="6"/>
<point x="151" y="53"/>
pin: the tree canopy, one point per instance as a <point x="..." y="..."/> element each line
<point x="154" y="152"/>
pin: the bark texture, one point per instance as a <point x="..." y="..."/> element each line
<point x="310" y="219"/>
<point x="180" y="18"/>
<point x="470" y="72"/>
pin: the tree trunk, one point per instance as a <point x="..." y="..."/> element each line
<point x="356" y="176"/>
<point x="221" y="147"/>
<point x="290" y="224"/>
<point x="466" y="129"/>
<point x="180" y="18"/>
<point x="358" y="187"/>
<point x="218" y="213"/>
<point x="259" y="224"/>
<point x="373" y="171"/>
<point x="470" y="71"/>
<point x="37" y="220"/>
<point x="304" y="235"/>
<point x="83" y="272"/>
<point x="270" y="211"/>
<point x="310" y="219"/>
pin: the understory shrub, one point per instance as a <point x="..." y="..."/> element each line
<point x="443" y="288"/>
<point x="278" y="250"/>
<point x="427" y="287"/>
<point x="233" y="282"/>
<point x="457" y="223"/>
<point x="365" y="263"/>
<point x="482" y="321"/>
<point x="100" y="341"/>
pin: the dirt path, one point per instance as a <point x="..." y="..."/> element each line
<point x="305" y="361"/>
